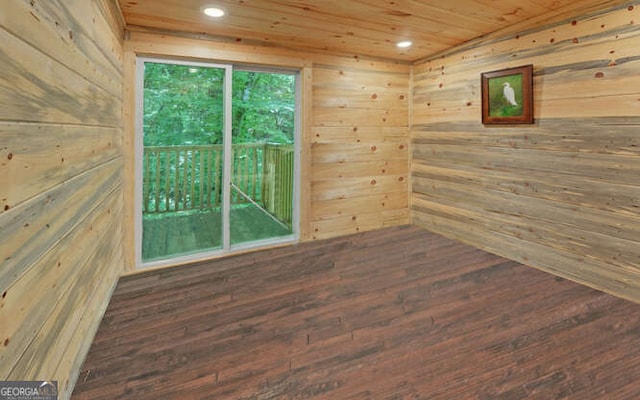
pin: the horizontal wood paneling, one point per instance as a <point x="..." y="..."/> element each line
<point x="42" y="156"/>
<point x="60" y="182"/>
<point x="358" y="152"/>
<point x="73" y="47"/>
<point x="146" y="43"/>
<point x="39" y="224"/>
<point x="356" y="169"/>
<point x="380" y="134"/>
<point x="359" y="149"/>
<point x="71" y="273"/>
<point x="562" y="194"/>
<point x="43" y="90"/>
<point x="577" y="51"/>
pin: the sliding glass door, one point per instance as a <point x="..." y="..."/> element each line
<point x="262" y="156"/>
<point x="216" y="159"/>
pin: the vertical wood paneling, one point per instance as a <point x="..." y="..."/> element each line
<point x="562" y="194"/>
<point x="60" y="182"/>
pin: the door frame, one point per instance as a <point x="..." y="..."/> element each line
<point x="226" y="248"/>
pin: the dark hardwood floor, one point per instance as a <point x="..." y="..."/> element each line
<point x="393" y="314"/>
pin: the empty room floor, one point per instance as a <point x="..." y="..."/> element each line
<point x="398" y="313"/>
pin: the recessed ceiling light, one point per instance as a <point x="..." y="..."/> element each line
<point x="214" y="12"/>
<point x="404" y="44"/>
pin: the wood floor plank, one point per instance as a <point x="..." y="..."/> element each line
<point x="397" y="313"/>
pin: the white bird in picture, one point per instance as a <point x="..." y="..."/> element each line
<point x="508" y="94"/>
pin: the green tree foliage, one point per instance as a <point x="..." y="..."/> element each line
<point x="183" y="105"/>
<point x="263" y="107"/>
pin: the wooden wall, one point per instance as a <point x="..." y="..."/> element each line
<point x="355" y="135"/>
<point x="562" y="194"/>
<point x="359" y="146"/>
<point x="60" y="182"/>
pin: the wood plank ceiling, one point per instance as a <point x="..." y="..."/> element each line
<point x="354" y="27"/>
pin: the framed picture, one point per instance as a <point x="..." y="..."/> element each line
<point x="507" y="96"/>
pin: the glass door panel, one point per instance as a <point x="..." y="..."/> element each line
<point x="183" y="159"/>
<point x="262" y="156"/>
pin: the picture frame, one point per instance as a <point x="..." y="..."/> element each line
<point x="507" y="96"/>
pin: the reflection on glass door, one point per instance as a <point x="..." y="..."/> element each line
<point x="183" y="160"/>
<point x="262" y="170"/>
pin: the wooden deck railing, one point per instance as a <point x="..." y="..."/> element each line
<point x="277" y="185"/>
<point x="181" y="178"/>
